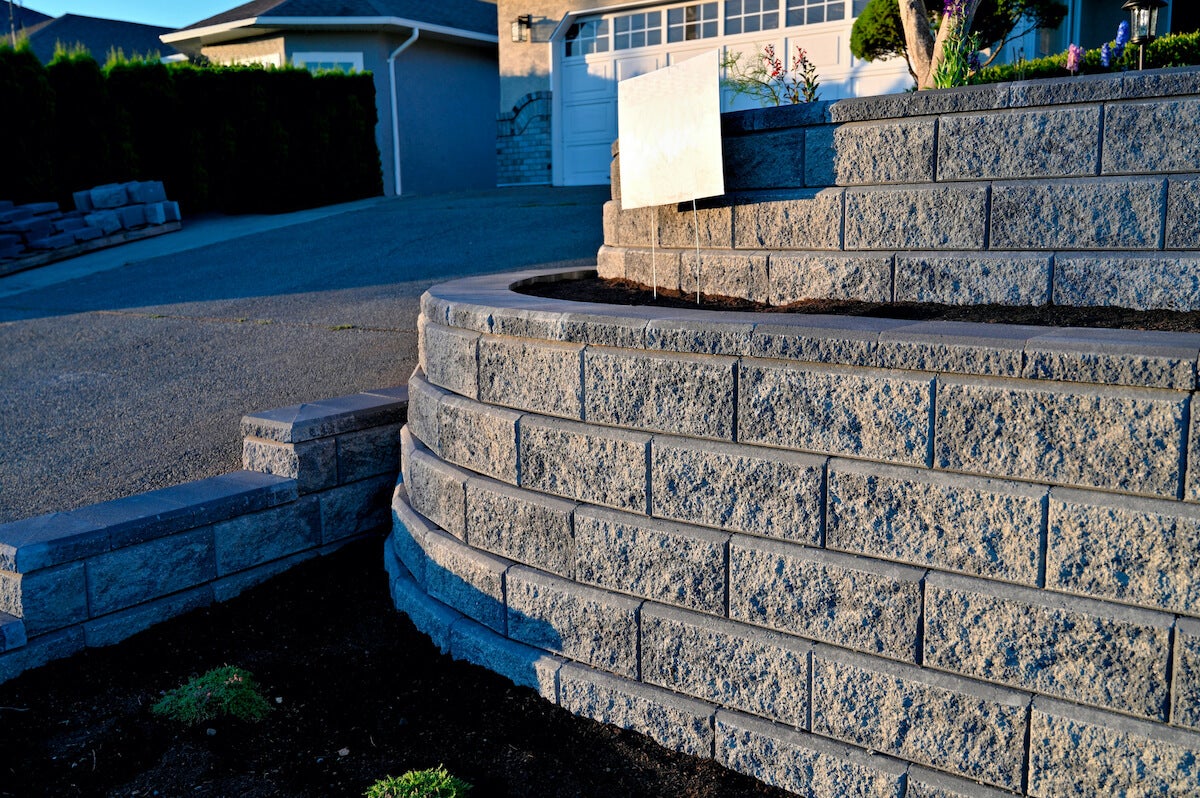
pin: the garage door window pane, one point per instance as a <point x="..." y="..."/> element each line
<point x="584" y="38"/>
<point x="685" y="23"/>
<point x="749" y="16"/>
<point x="637" y="30"/>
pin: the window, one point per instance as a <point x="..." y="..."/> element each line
<point x="584" y="38"/>
<point x="812" y="12"/>
<point x="267" y="60"/>
<point x="329" y="62"/>
<point x="685" y="23"/>
<point x="748" y="16"/>
<point x="637" y="30"/>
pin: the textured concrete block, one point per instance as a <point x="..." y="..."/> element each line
<point x="1173" y="147"/>
<point x="137" y="574"/>
<point x="958" y="347"/>
<point x="449" y="357"/>
<point x="698" y="337"/>
<point x="1183" y="212"/>
<point x="423" y="401"/>
<point x="924" y="783"/>
<point x="370" y="453"/>
<point x="312" y="420"/>
<point x="880" y="415"/>
<point x="409" y="529"/>
<point x="863" y="278"/>
<point x="951" y="724"/>
<point x="825" y="596"/>
<point x="521" y="525"/>
<point x="728" y="664"/>
<point x="431" y="617"/>
<point x="1093" y="653"/>
<point x="480" y="437"/>
<point x="437" y="491"/>
<point x="38" y="652"/>
<point x="466" y="579"/>
<point x="844" y="340"/>
<point x="819" y="157"/>
<point x="1137" y="551"/>
<point x="45" y="600"/>
<point x="767" y="159"/>
<point x="653" y="268"/>
<point x="251" y="540"/>
<point x="946" y="521"/>
<point x="356" y="509"/>
<point x="1101" y="213"/>
<point x="585" y="624"/>
<point x="1122" y="439"/>
<point x="1115" y="357"/>
<point x="610" y="260"/>
<point x="659" y="560"/>
<point x="892" y="151"/>
<point x="234" y="585"/>
<point x="313" y="464"/>
<point x="590" y="464"/>
<point x="30" y="544"/>
<point x="928" y="217"/>
<point x="677" y="227"/>
<point x="602" y="330"/>
<point x="740" y="488"/>
<point x="114" y="628"/>
<point x="1081" y="752"/>
<point x="522" y="665"/>
<point x="731" y="274"/>
<point x="974" y="278"/>
<point x="1185" y="674"/>
<point x="810" y="220"/>
<point x="634" y="227"/>
<point x="538" y="376"/>
<point x="676" y="723"/>
<point x="1046" y="143"/>
<point x="804" y="763"/>
<point x="1141" y="282"/>
<point x="110" y="195"/>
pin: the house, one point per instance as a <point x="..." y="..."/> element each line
<point x="15" y="19"/>
<point x="98" y="36"/>
<point x="433" y="62"/>
<point x="560" y="61"/>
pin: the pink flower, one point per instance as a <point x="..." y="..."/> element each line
<point x="1074" y="58"/>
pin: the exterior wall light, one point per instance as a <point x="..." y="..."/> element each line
<point x="521" y="26"/>
<point x="1143" y="24"/>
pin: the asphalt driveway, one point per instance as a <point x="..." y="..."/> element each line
<point x="131" y="371"/>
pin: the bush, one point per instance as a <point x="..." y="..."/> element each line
<point x="1171" y="50"/>
<point x="431" y="783"/>
<point x="224" y="691"/>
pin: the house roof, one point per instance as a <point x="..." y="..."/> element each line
<point x="22" y="18"/>
<point x="98" y="35"/>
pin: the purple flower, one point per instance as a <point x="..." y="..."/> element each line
<point x="1122" y="34"/>
<point x="974" y="63"/>
<point x="1074" y="58"/>
<point x="1106" y="55"/>
<point x="953" y="8"/>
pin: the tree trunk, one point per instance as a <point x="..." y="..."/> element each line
<point x="925" y="52"/>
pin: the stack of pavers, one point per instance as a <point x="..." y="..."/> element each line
<point x="41" y="232"/>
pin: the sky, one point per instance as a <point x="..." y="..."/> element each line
<point x="167" y="13"/>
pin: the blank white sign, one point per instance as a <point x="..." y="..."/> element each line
<point x="669" y="125"/>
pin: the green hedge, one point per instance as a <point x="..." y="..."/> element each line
<point x="1171" y="50"/>
<point x="232" y="139"/>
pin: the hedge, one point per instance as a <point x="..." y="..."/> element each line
<point x="230" y="139"/>
<point x="1170" y="50"/>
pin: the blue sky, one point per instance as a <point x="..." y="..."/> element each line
<point x="170" y="14"/>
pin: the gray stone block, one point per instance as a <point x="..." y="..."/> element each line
<point x="313" y="464"/>
<point x="731" y="274"/>
<point x="766" y="159"/>
<point x="807" y="220"/>
<point x="1183" y="212"/>
<point x="369" y="453"/>
<point x="172" y="211"/>
<point x="801" y="763"/>
<point x="449" y="357"/>
<point x="738" y="488"/>
<point x="12" y="633"/>
<point x="698" y="337"/>
<point x="83" y="200"/>
<point x="1085" y="651"/>
<point x="1045" y="143"/>
<point x="1066" y="90"/>
<point x="821" y="595"/>
<point x="234" y="585"/>
<point x="1172" y="147"/>
<point x="358" y="508"/>
<point x="83" y="234"/>
<point x="630" y="228"/>
<point x="312" y="420"/>
<point x="974" y="278"/>
<point x="1124" y="439"/>
<point x="890" y="151"/>
<point x="110" y="195"/>
<point x="137" y="574"/>
<point x="592" y="464"/>
<point x="957" y="523"/>
<point x="46" y="600"/>
<point x="431" y="617"/>
<point x="677" y="227"/>
<point x="531" y="375"/>
<point x="409" y="529"/>
<point x="610" y="260"/>
<point x="956" y="347"/>
<point x="728" y="664"/>
<point x="423" y="402"/>
<point x="925" y="783"/>
<point x="52" y="241"/>
<point x="107" y="222"/>
<point x="950" y="724"/>
<point x="114" y="628"/>
<point x="602" y="330"/>
<point x="521" y="525"/>
<point x="844" y="340"/>
<point x="653" y="268"/>
<point x="146" y="191"/>
<point x="437" y="491"/>
<point x="1115" y="357"/>
<point x="1090" y="213"/>
<point x="40" y="651"/>
<point x="1077" y="751"/>
<point x="949" y="217"/>
<point x="658" y="560"/>
<point x="1185" y="674"/>
<point x="862" y="278"/>
<point x="522" y="665"/>
<point x="39" y="542"/>
<point x="466" y="579"/>
<point x="156" y="213"/>
<point x="883" y="415"/>
<point x="480" y="437"/>
<point x="819" y="157"/>
<point x="132" y="216"/>
<point x="251" y="540"/>
<point x="1141" y="282"/>
<point x="676" y="723"/>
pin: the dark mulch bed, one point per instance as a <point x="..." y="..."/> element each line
<point x="364" y="695"/>
<point x="622" y="292"/>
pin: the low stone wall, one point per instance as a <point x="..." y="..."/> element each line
<point x="317" y="476"/>
<point x="523" y="151"/>
<point x="846" y="556"/>
<point x="1079" y="191"/>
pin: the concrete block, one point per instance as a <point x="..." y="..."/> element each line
<point x="927" y="103"/>
<point x="892" y="151"/>
<point x="52" y="241"/>
<point x="1085" y="651"/>
<point x="468" y="580"/>
<point x="682" y="394"/>
<point x="83" y="234"/>
<point x="114" y="628"/>
<point x="766" y="159"/>
<point x="449" y="357"/>
<point x="588" y="625"/>
<point x="658" y="560"/>
<point x="677" y="227"/>
<point x="369" y="453"/>
<point x="925" y="783"/>
<point x="844" y="340"/>
<point x="1137" y="551"/>
<point x="732" y="274"/>
<point x="141" y="573"/>
<point x="1065" y="90"/>
<point x="313" y="464"/>
<point x="600" y="466"/>
<point x="437" y="490"/>
<point x="820" y="595"/>
<point x="881" y="415"/>
<point x="68" y="224"/>
<point x="1115" y="357"/>
<point x="974" y="278"/>
<point x="423" y="401"/>
<point x="107" y="221"/>
<point x="431" y="617"/>
<point x="1173" y="147"/>
<point x="30" y="544"/>
<point x="1183" y="212"/>
<point x="1124" y="439"/>
<point x="1185" y="674"/>
<point x="676" y="723"/>
<point x="83" y="200"/>
<point x="146" y="191"/>
<point x="171" y="209"/>
<point x="803" y="764"/>
<point x="358" y="508"/>
<point x="251" y="540"/>
<point x="522" y="665"/>
<point x="738" y="488"/>
<point x="1141" y="282"/>
<point x="956" y="347"/>
<point x="1098" y="213"/>
<point x="635" y="227"/>
<point x="12" y="633"/>
<point x="610" y="262"/>
<point x="819" y="157"/>
<point x="409" y="529"/>
<point x="602" y="330"/>
<point x="480" y="437"/>
<point x="977" y="526"/>
<point x="653" y="268"/>
<point x="312" y="420"/>
<point x="950" y="724"/>
<point x="1045" y="143"/>
<point x="528" y="375"/>
<point x="156" y="213"/>
<point x="945" y="217"/>
<point x="40" y="651"/>
<point x="45" y="600"/>
<point x="234" y="585"/>
<point x="132" y="216"/>
<point x="521" y="525"/>
<point x="698" y="337"/>
<point x="862" y="278"/>
<point x="728" y="664"/>
<point x="110" y="195"/>
<point x="1078" y="751"/>
<point x="810" y="219"/>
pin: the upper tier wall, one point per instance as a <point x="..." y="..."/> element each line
<point x="1078" y="191"/>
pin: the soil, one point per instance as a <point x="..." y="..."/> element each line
<point x="357" y="694"/>
<point x="622" y="292"/>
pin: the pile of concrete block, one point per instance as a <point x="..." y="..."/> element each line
<point x="126" y="206"/>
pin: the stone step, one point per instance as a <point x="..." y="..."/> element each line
<point x="12" y="632"/>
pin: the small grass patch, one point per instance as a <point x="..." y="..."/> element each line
<point x="220" y="692"/>
<point x="429" y="783"/>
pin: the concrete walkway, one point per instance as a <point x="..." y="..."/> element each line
<point x="128" y="369"/>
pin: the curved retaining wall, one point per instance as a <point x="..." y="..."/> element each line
<point x="844" y="556"/>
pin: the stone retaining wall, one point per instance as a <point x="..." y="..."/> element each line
<point x="523" y="151"/>
<point x="846" y="556"/>
<point x="317" y="476"/>
<point x="1079" y="191"/>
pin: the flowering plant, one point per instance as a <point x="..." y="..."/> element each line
<point x="767" y="80"/>
<point x="960" y="54"/>
<point x="1074" y="58"/>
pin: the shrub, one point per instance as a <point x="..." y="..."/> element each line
<point x="219" y="692"/>
<point x="1171" y="50"/>
<point x="430" y="783"/>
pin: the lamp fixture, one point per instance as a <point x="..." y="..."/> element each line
<point x="1143" y="24"/>
<point x="521" y="28"/>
